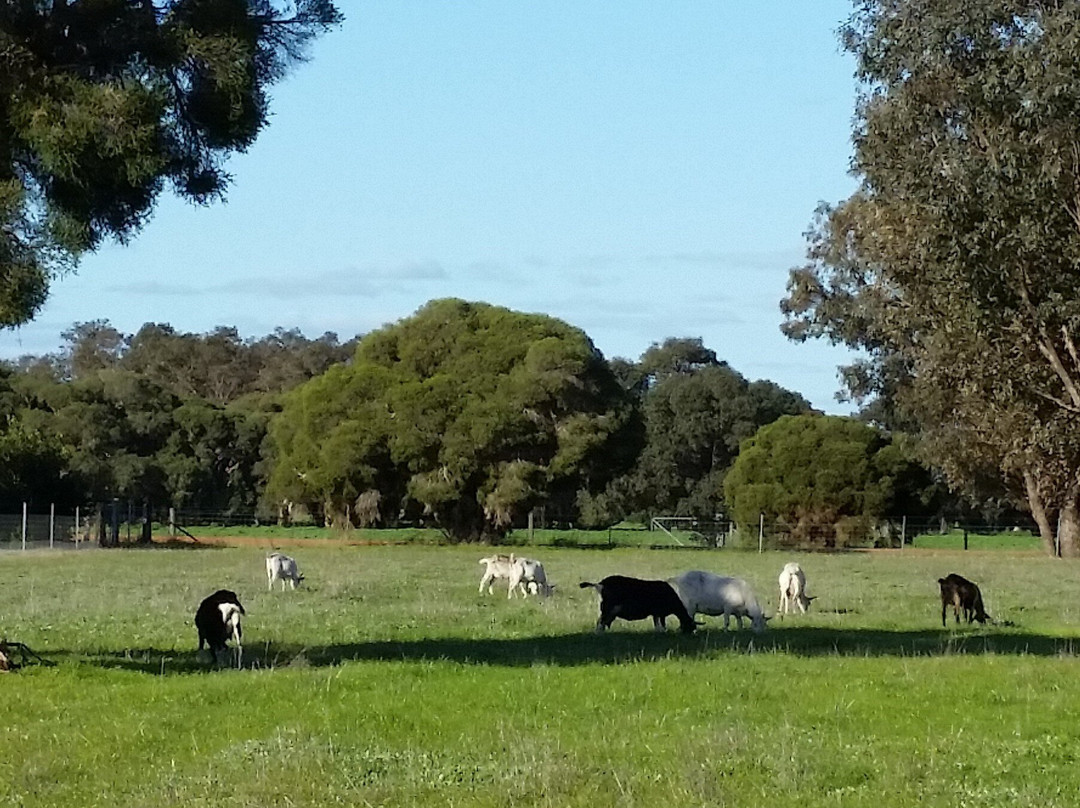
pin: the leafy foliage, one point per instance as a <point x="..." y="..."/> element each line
<point x="103" y="104"/>
<point x="163" y="416"/>
<point x="470" y="411"/>
<point x="696" y="412"/>
<point x="954" y="264"/>
<point x="821" y="477"/>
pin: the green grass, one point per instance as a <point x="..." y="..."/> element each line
<point x="954" y="540"/>
<point x="389" y="681"/>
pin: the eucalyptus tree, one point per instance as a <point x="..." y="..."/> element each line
<point x="471" y="412"/>
<point x="104" y="104"/>
<point x="955" y="262"/>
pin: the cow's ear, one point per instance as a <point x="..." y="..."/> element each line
<point x="811" y="597"/>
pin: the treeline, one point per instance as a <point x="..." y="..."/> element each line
<point x="162" y="416"/>
<point x="464" y="416"/>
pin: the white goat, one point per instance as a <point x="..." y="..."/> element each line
<point x="793" y="589"/>
<point x="706" y="593"/>
<point x="528" y="574"/>
<point x="497" y="566"/>
<point x="280" y="567"/>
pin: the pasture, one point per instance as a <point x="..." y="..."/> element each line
<point x="387" y="680"/>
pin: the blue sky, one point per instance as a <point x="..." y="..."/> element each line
<point x="641" y="170"/>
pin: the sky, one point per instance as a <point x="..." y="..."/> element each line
<point x="640" y="170"/>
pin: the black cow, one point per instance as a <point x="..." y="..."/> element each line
<point x="218" y="620"/>
<point x="635" y="599"/>
<point x="962" y="594"/>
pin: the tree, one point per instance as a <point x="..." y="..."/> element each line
<point x="676" y="356"/>
<point x="696" y="411"/>
<point x="823" y="478"/>
<point x="103" y="104"/>
<point x="954" y="264"/>
<point x="88" y="348"/>
<point x="473" y="412"/>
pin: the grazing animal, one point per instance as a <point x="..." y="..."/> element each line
<point x="496" y="567"/>
<point x="218" y="621"/>
<point x="528" y="575"/>
<point x="280" y="567"/>
<point x="635" y="599"/>
<point x="706" y="593"/>
<point x="963" y="595"/>
<point x="793" y="589"/>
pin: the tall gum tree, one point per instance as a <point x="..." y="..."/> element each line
<point x="955" y="263"/>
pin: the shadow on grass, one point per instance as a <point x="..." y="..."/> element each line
<point x="612" y="648"/>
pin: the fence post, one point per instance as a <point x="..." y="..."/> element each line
<point x="52" y="523"/>
<point x="114" y="532"/>
<point x="172" y="523"/>
<point x="761" y="532"/>
<point x="965" y="538"/>
<point x="24" y="525"/>
<point x="903" y="531"/>
<point x="78" y="527"/>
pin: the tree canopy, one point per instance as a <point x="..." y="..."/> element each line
<point x="696" y="411"/>
<point x="821" y="478"/>
<point x="472" y="412"/>
<point x="104" y="104"/>
<point x="954" y="264"/>
<point x="166" y="416"/>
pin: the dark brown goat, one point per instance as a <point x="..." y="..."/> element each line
<point x="963" y="595"/>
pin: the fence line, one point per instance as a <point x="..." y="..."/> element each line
<point x="117" y="520"/>
<point x="54" y="529"/>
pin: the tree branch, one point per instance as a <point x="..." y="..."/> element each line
<point x="1059" y="402"/>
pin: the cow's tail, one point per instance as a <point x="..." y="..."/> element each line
<point x="587" y="584"/>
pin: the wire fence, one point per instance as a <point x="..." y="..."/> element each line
<point x="53" y="530"/>
<point x="119" y="522"/>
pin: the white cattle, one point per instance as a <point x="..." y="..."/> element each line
<point x="496" y="567"/>
<point x="528" y="574"/>
<point x="706" y="593"/>
<point x="280" y="567"/>
<point x="793" y="589"/>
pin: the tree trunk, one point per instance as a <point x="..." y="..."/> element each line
<point x="1043" y="519"/>
<point x="1069" y="528"/>
<point x="146" y="536"/>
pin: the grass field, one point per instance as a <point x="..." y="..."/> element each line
<point x="635" y="536"/>
<point x="389" y="681"/>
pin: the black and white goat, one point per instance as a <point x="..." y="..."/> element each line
<point x="218" y="621"/>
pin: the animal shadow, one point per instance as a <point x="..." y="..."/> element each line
<point x="612" y="648"/>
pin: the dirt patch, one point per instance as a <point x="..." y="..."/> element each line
<point x="268" y="543"/>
